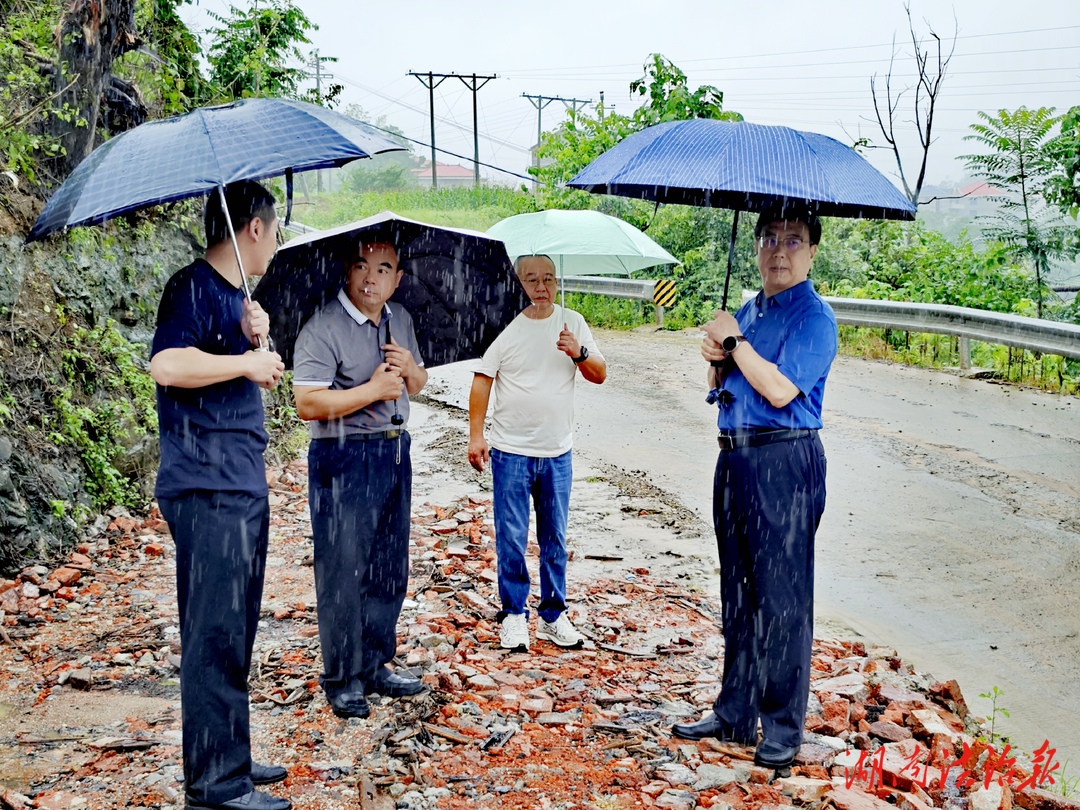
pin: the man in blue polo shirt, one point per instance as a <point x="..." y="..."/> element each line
<point x="767" y="370"/>
<point x="211" y="489"/>
<point x="355" y="366"/>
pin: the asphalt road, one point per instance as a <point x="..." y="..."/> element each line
<point x="952" y="527"/>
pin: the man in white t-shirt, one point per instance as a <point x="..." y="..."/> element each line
<point x="532" y="367"/>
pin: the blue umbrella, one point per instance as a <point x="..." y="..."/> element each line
<point x="190" y="155"/>
<point x="458" y="285"/>
<point x="745" y="167"/>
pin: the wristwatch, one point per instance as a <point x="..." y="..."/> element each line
<point x="731" y="343"/>
<point x="582" y="357"/>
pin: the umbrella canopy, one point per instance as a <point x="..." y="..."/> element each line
<point x="190" y="155"/>
<point x="582" y="243"/>
<point x="746" y="167"/>
<point x="458" y="285"/>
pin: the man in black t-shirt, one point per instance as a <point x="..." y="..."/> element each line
<point x="212" y="491"/>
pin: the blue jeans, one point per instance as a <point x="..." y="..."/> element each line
<point x="547" y="481"/>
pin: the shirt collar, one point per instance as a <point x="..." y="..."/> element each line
<point x="355" y="313"/>
<point x="785" y="297"/>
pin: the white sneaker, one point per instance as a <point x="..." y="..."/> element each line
<point x="514" y="632"/>
<point x="560" y="632"/>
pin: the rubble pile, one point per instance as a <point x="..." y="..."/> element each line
<point x="549" y="728"/>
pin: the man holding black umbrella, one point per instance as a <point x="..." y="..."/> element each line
<point x="768" y="367"/>
<point x="212" y="490"/>
<point x="356" y="364"/>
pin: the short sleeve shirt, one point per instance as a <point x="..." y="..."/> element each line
<point x="212" y="438"/>
<point x="340" y="348"/>
<point x="796" y="330"/>
<point x="533" y="389"/>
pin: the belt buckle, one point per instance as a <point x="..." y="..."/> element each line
<point x="725" y="442"/>
<point x="392" y="434"/>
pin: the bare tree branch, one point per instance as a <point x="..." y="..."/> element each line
<point x="932" y="64"/>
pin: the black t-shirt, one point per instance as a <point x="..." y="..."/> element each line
<point x="212" y="438"/>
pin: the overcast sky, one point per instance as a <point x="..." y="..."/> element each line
<point x="805" y="65"/>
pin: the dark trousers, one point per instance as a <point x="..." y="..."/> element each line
<point x="767" y="502"/>
<point x="359" y="497"/>
<point x="221" y="540"/>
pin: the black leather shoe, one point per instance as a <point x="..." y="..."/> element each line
<point x="267" y="774"/>
<point x="711" y="726"/>
<point x="256" y="800"/>
<point x="349" y="704"/>
<point x="774" y="755"/>
<point x="390" y="684"/>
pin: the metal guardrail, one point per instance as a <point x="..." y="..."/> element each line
<point x="1050" y="337"/>
<point x="1034" y="334"/>
<point x="639" y="289"/>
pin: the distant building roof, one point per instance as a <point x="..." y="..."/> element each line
<point x="447" y="170"/>
<point x="976" y="189"/>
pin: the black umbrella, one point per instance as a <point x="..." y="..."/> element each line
<point x="458" y="285"/>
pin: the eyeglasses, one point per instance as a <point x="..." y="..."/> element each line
<point x="791" y="244"/>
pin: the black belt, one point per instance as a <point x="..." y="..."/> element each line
<point x="756" y="438"/>
<point x="368" y="437"/>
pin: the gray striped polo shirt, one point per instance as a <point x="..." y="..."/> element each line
<point x="339" y="348"/>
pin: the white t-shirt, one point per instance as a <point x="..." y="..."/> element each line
<point x="533" y="412"/>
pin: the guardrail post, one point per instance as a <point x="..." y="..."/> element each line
<point x="965" y="353"/>
<point x="659" y="315"/>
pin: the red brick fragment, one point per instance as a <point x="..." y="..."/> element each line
<point x="154" y="549"/>
<point x="1038" y="799"/>
<point x="66" y="576"/>
<point x="886" y="730"/>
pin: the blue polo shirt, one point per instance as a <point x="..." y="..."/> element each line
<point x="212" y="438"/>
<point x="796" y="330"/>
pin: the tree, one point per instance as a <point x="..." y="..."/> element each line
<point x="250" y="54"/>
<point x="1018" y="163"/>
<point x="92" y="34"/>
<point x="1063" y="151"/>
<point x="582" y="138"/>
<point x="932" y="64"/>
<point x="174" y="64"/>
<point x="671" y="100"/>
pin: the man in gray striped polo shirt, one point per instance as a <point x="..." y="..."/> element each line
<point x="355" y="365"/>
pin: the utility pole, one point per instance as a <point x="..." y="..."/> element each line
<point x="318" y="74"/>
<point x="572" y="105"/>
<point x="539" y="102"/>
<point x="472" y="81"/>
<point x="601" y="105"/>
<point x="428" y="80"/>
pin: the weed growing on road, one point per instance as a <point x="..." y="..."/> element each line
<point x="1067" y="786"/>
<point x="993" y="695"/>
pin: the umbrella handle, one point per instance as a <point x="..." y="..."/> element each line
<point x="730" y="256"/>
<point x="263" y="344"/>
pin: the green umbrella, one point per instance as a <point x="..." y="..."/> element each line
<point x="581" y="243"/>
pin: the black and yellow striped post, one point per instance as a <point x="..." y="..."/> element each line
<point x="663" y="296"/>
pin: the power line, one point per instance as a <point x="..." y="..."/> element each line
<point x="473" y="82"/>
<point x="399" y="136"/>
<point x="414" y="108"/>
<point x="539" y="102"/>
<point x="743" y="57"/>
